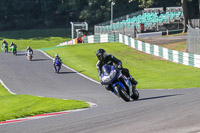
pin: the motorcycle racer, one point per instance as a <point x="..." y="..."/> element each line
<point x="4" y="43"/>
<point x="29" y="49"/>
<point x="104" y="58"/>
<point x="57" y="58"/>
<point x="13" y="45"/>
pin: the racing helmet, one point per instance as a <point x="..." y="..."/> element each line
<point x="56" y="55"/>
<point x="101" y="54"/>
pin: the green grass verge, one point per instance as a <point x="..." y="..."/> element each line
<point x="151" y="72"/>
<point x="36" y="39"/>
<point x="18" y="106"/>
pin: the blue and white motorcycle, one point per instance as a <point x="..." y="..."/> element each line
<point x="57" y="66"/>
<point x="121" y="85"/>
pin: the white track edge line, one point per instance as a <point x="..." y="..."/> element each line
<point x="6" y="87"/>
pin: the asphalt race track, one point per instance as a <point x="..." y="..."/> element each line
<point x="157" y="111"/>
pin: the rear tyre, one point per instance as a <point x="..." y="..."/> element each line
<point x="30" y="58"/>
<point x="135" y="95"/>
<point x="15" y="52"/>
<point x="6" y="51"/>
<point x="123" y="94"/>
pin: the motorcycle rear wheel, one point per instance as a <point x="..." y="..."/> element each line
<point x="135" y="95"/>
<point x="6" y="50"/>
<point x="30" y="57"/>
<point x="15" y="52"/>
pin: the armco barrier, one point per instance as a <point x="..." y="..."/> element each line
<point x="168" y="54"/>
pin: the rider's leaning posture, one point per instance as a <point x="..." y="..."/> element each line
<point x="108" y="59"/>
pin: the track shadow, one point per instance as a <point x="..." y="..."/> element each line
<point x="40" y="59"/>
<point x="66" y="72"/>
<point x="20" y="54"/>
<point x="158" y="97"/>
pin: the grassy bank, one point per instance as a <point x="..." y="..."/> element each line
<point x="36" y="39"/>
<point x="151" y="72"/>
<point x="18" y="106"/>
<point x="179" y="46"/>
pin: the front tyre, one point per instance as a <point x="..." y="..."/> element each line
<point x="123" y="94"/>
<point x="57" y="69"/>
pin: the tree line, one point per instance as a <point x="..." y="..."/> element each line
<point x="28" y="14"/>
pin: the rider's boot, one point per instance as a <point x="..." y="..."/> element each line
<point x="133" y="81"/>
<point x="134" y="88"/>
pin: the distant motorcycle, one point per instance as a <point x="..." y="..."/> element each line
<point x="14" y="49"/>
<point x="5" y="48"/>
<point x="121" y="85"/>
<point x="29" y="55"/>
<point x="57" y="66"/>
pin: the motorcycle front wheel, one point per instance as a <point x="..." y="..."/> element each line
<point x="30" y="57"/>
<point x="123" y="94"/>
<point x="57" y="69"/>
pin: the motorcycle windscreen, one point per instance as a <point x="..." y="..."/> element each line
<point x="106" y="69"/>
<point x="109" y="74"/>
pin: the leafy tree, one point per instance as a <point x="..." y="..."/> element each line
<point x="100" y="11"/>
<point x="190" y="11"/>
<point x="24" y="14"/>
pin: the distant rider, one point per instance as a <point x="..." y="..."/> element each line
<point x="56" y="58"/>
<point x="13" y="45"/>
<point x="104" y="58"/>
<point x="29" y="49"/>
<point x="4" y="43"/>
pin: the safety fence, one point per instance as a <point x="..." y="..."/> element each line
<point x="168" y="54"/>
<point x="101" y="38"/>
